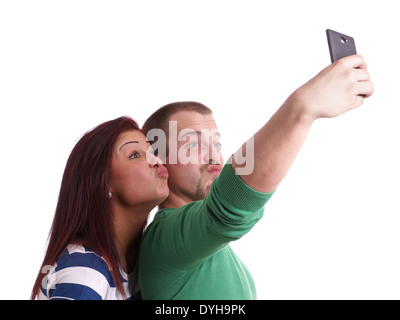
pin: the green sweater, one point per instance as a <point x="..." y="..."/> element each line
<point x="185" y="252"/>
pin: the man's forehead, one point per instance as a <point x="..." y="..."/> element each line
<point x="207" y="132"/>
<point x="193" y="120"/>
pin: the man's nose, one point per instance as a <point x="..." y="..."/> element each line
<point x="211" y="154"/>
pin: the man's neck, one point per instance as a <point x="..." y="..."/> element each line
<point x="174" y="201"/>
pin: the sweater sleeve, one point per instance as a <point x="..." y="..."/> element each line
<point x="183" y="237"/>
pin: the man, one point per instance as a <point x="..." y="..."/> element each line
<point x="185" y="252"/>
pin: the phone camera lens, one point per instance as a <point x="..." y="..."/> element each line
<point x="343" y="39"/>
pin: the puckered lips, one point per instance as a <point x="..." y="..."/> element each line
<point x="162" y="172"/>
<point x="214" y="169"/>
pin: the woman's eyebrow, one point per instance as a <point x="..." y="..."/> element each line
<point x="127" y="143"/>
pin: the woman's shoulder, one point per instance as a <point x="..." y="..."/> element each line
<point x="81" y="257"/>
<point x="79" y="273"/>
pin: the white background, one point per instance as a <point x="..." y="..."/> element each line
<point x="331" y="231"/>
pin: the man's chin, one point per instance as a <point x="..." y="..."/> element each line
<point x="208" y="187"/>
<point x="205" y="188"/>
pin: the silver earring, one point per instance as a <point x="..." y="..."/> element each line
<point x="109" y="195"/>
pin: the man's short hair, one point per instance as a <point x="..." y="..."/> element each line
<point x="160" y="118"/>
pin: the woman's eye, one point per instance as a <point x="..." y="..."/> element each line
<point x="134" y="155"/>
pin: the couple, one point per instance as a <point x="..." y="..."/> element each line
<point x="111" y="183"/>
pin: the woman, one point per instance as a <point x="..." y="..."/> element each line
<point x="110" y="184"/>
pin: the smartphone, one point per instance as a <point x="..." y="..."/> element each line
<point x="340" y="45"/>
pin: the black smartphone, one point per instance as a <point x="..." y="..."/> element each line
<point x="340" y="45"/>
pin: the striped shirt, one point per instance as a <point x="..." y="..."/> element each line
<point x="80" y="274"/>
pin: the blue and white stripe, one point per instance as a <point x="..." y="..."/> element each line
<point x="80" y="274"/>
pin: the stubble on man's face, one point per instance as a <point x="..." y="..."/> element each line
<point x="204" y="183"/>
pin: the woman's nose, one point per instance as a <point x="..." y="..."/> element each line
<point x="153" y="160"/>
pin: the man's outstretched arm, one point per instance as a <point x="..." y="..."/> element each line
<point x="337" y="89"/>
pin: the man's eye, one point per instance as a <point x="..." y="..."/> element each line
<point x="134" y="155"/>
<point x="193" y="145"/>
<point x="217" y="145"/>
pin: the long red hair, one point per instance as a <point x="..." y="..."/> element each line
<point x="84" y="213"/>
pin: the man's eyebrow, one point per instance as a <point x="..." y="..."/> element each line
<point x="127" y="143"/>
<point x="198" y="132"/>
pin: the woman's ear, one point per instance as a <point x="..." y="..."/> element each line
<point x="110" y="191"/>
